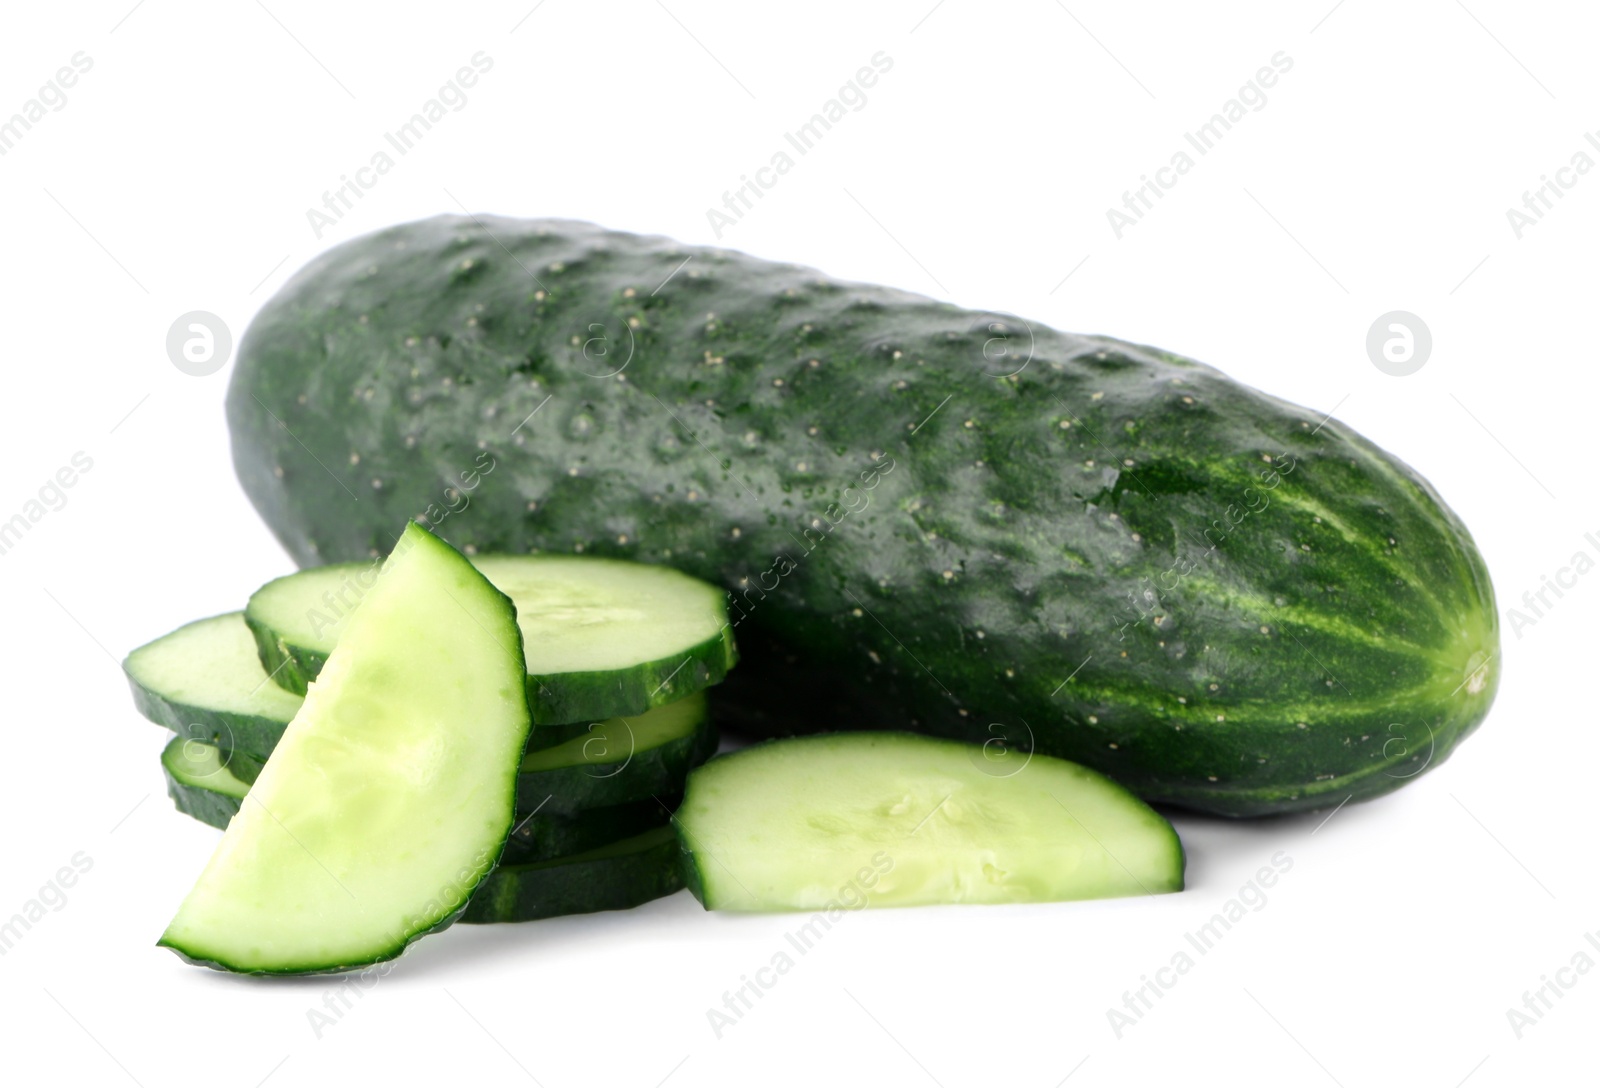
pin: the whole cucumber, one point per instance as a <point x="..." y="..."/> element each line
<point x="926" y="517"/>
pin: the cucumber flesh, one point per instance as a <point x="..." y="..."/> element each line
<point x="897" y="819"/>
<point x="202" y="781"/>
<point x="616" y="876"/>
<point x="603" y="637"/>
<point x="391" y="793"/>
<point x="205" y="682"/>
<point x="619" y="760"/>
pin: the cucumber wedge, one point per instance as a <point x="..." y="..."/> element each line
<point x="619" y="760"/>
<point x="616" y="876"/>
<point x="846" y="820"/>
<point x="202" y="782"/>
<point x="391" y="793"/>
<point x="603" y="637"/>
<point x="205" y="682"/>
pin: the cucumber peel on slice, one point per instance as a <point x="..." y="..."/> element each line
<point x="898" y="819"/>
<point x="619" y="760"/>
<point x="202" y="781"/>
<point x="616" y="876"/>
<point x="391" y="793"/>
<point x="205" y="682"/>
<point x="603" y="637"/>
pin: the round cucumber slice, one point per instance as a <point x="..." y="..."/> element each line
<point x="616" y="876"/>
<point x="603" y="637"/>
<point x="205" y="682"/>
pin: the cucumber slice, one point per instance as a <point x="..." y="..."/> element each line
<point x="201" y="781"/>
<point x="390" y="795"/>
<point x="603" y="637"/>
<point x="542" y="836"/>
<point x="619" y="760"/>
<point x="616" y="876"/>
<point x="205" y="682"/>
<point x="896" y="819"/>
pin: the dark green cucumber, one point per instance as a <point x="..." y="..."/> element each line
<point x="202" y="781"/>
<point x="205" y="683"/>
<point x="619" y="760"/>
<point x="390" y="795"/>
<point x="616" y="876"/>
<point x="602" y="637"/>
<point x="946" y="520"/>
<point x="852" y="820"/>
<point x="542" y="836"/>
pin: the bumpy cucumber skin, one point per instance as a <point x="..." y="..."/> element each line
<point x="918" y="527"/>
<point x="651" y="772"/>
<point x="582" y="885"/>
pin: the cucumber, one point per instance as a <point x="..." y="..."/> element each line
<point x="619" y="760"/>
<point x="389" y="797"/>
<point x="616" y="876"/>
<point x="849" y="820"/>
<point x="205" y="683"/>
<point x="202" y="781"/>
<point x="962" y="523"/>
<point x="602" y="637"/>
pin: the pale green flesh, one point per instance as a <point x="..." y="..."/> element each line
<point x="211" y="663"/>
<point x="203" y="766"/>
<point x="895" y="819"/>
<point x="616" y="739"/>
<point x="576" y="614"/>
<point x="390" y="795"/>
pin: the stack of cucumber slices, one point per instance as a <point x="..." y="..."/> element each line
<point x="393" y="747"/>
<point x="320" y="735"/>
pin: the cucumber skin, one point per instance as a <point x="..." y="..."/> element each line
<point x="545" y="836"/>
<point x="436" y="331"/>
<point x="651" y="773"/>
<point x="211" y="807"/>
<point x="524" y="893"/>
<point x="226" y="729"/>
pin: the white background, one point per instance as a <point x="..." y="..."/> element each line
<point x="1377" y="177"/>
